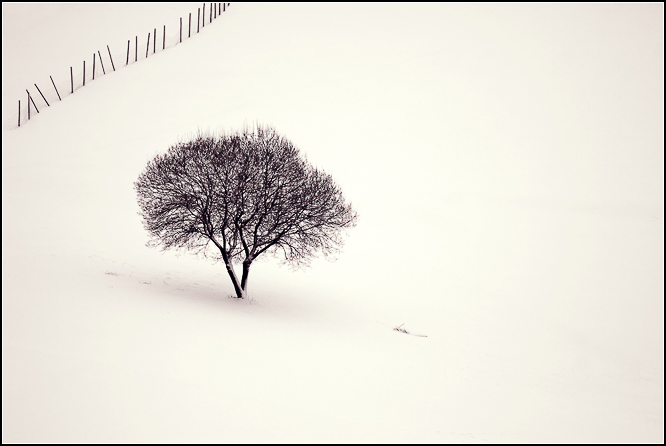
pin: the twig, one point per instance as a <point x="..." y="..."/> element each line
<point x="402" y="330"/>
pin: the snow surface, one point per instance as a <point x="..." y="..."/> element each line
<point x="507" y="165"/>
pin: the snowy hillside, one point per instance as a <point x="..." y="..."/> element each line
<point x="506" y="162"/>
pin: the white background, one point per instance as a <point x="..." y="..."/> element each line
<point x="507" y="165"/>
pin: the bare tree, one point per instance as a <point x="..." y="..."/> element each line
<point x="234" y="197"/>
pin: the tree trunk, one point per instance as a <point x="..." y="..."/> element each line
<point x="234" y="279"/>
<point x="230" y="269"/>
<point x="246" y="272"/>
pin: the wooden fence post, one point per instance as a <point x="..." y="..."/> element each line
<point x="71" y="74"/>
<point x="112" y="65"/>
<point x="56" y="89"/>
<point x="136" y="48"/>
<point x="164" y="37"/>
<point x="147" y="44"/>
<point x="19" y="113"/>
<point x="210" y="20"/>
<point x="84" y="73"/>
<point x="198" y="18"/>
<point x="93" y="66"/>
<point x="189" y="29"/>
<point x="33" y="102"/>
<point x="203" y="16"/>
<point x="101" y="62"/>
<point x="154" y="39"/>
<point x="181" y="30"/>
<point x="40" y="92"/>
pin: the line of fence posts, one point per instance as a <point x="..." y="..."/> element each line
<point x="221" y="6"/>
<point x="201" y="13"/>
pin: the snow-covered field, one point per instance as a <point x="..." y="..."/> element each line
<point x="507" y="165"/>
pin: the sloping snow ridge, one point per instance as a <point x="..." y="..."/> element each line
<point x="507" y="165"/>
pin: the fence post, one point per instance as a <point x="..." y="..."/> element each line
<point x="93" y="66"/>
<point x="33" y="102"/>
<point x="210" y="20"/>
<point x="164" y="37"/>
<point x="203" y="16"/>
<point x="71" y="74"/>
<point x="215" y="15"/>
<point x="154" y="39"/>
<point x="198" y="18"/>
<point x="40" y="92"/>
<point x="56" y="89"/>
<point x="112" y="64"/>
<point x="19" y="113"/>
<point x="181" y="30"/>
<point x="147" y="44"/>
<point x="136" y="48"/>
<point x="84" y="73"/>
<point x="224" y="7"/>
<point x="101" y="62"/>
<point x="189" y="29"/>
<point x="127" y="61"/>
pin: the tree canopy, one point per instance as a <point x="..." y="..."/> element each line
<point x="234" y="197"/>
